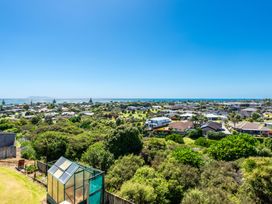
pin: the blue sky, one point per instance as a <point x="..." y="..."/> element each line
<point x="136" y="48"/>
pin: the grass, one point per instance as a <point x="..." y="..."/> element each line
<point x="17" y="188"/>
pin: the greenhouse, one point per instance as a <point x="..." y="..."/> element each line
<point x="71" y="183"/>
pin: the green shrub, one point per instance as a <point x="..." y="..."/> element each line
<point x="204" y="142"/>
<point x="176" y="138"/>
<point x="194" y="133"/>
<point x="188" y="156"/>
<point x="234" y="147"/>
<point x="215" y="135"/>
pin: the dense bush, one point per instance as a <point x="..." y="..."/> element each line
<point x="234" y="147"/>
<point x="188" y="156"/>
<point x="207" y="196"/>
<point x="194" y="133"/>
<point x="204" y="142"/>
<point x="122" y="170"/>
<point x="215" y="135"/>
<point x="176" y="138"/>
<point x="77" y="145"/>
<point x="98" y="156"/>
<point x="180" y="178"/>
<point x="268" y="143"/>
<point x="222" y="175"/>
<point x="125" y="140"/>
<point x="28" y="152"/>
<point x="258" y="179"/>
<point x="153" y="148"/>
<point x="138" y="193"/>
<point x="152" y="180"/>
<point x="50" y="145"/>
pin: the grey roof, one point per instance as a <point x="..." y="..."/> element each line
<point x="63" y="169"/>
<point x="7" y="139"/>
<point x="213" y="125"/>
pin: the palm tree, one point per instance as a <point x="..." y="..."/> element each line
<point x="234" y="118"/>
<point x="198" y="119"/>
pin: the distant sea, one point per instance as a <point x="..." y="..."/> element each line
<point x="10" y="101"/>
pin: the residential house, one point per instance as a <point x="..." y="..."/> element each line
<point x="158" y="122"/>
<point x="253" y="128"/>
<point x="247" y="112"/>
<point x="212" y="126"/>
<point x="181" y="126"/>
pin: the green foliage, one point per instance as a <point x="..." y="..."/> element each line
<point x="155" y="183"/>
<point x="221" y="175"/>
<point x="204" y="142"/>
<point x="256" y="117"/>
<point x="153" y="148"/>
<point x="119" y="121"/>
<point x="187" y="156"/>
<point x="35" y="120"/>
<point x="176" y="138"/>
<point x="50" y="145"/>
<point x="77" y="145"/>
<point x="258" y="179"/>
<point x="5" y="125"/>
<point x="28" y="152"/>
<point x="138" y="193"/>
<point x="125" y="140"/>
<point x="234" y="147"/>
<point x="75" y="119"/>
<point x="30" y="168"/>
<point x="234" y="118"/>
<point x="206" y="196"/>
<point x="268" y="143"/>
<point x="215" y="135"/>
<point x="85" y="124"/>
<point x="180" y="178"/>
<point x="194" y="133"/>
<point x="122" y="170"/>
<point x="98" y="156"/>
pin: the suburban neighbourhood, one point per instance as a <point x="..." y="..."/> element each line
<point x="145" y="136"/>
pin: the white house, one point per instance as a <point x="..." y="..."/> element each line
<point x="158" y="122"/>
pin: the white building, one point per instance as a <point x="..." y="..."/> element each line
<point x="158" y="122"/>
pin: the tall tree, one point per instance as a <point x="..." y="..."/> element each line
<point x="125" y="140"/>
<point x="234" y="118"/>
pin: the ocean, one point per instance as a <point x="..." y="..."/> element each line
<point x="10" y="101"/>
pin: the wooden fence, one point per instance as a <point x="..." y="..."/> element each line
<point x="114" y="199"/>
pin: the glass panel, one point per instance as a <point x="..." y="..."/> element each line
<point x="70" y="182"/>
<point x="79" y="195"/>
<point x="95" y="198"/>
<point x="69" y="194"/>
<point x="65" y="165"/>
<point x="49" y="185"/>
<point x="63" y="179"/>
<point x="53" y="169"/>
<point x="55" y="189"/>
<point x="58" y="173"/>
<point x="60" y="161"/>
<point x="86" y="189"/>
<point x="68" y="200"/>
<point x="79" y="179"/>
<point x="87" y="175"/>
<point x="96" y="184"/>
<point x="72" y="169"/>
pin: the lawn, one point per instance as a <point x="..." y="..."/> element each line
<point x="17" y="188"/>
